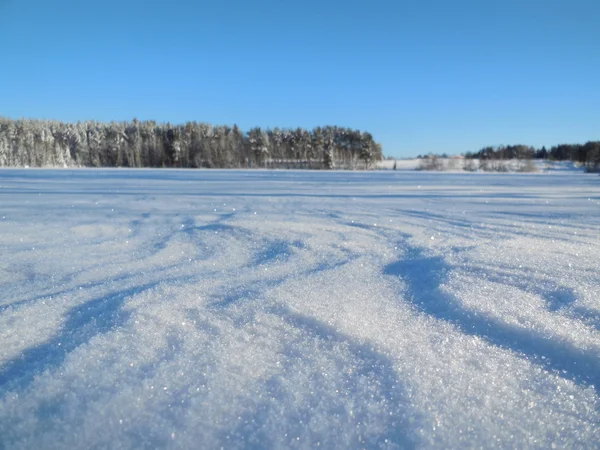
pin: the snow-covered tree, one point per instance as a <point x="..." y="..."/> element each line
<point x="148" y="144"/>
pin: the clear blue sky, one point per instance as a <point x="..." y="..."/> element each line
<point x="421" y="75"/>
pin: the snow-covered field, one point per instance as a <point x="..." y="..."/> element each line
<point x="256" y="309"/>
<point x="458" y="165"/>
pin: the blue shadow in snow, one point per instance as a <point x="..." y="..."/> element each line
<point x="424" y="275"/>
<point x="360" y="379"/>
<point x="278" y="250"/>
<point x="588" y="316"/>
<point x="51" y="294"/>
<point x="560" y="298"/>
<point x="190" y="227"/>
<point x="83" y="323"/>
<point x="246" y="292"/>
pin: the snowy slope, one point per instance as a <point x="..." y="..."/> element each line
<point x="251" y="309"/>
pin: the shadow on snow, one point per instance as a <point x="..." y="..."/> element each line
<point x="337" y="382"/>
<point x="83" y="323"/>
<point x="424" y="275"/>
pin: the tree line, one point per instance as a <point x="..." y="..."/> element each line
<point x="40" y="143"/>
<point x="587" y="154"/>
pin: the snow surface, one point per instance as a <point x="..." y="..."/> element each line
<point x="257" y="309"/>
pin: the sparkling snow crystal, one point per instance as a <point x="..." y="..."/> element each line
<point x="253" y="309"/>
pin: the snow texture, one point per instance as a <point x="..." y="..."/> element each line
<point x="256" y="309"/>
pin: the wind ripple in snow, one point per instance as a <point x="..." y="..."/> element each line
<point x="145" y="309"/>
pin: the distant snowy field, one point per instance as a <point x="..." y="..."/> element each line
<point x="257" y="309"/>
<point x="457" y="165"/>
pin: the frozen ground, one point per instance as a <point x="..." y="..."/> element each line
<point x="200" y="309"/>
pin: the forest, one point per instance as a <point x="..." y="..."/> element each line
<point x="587" y="154"/>
<point x="40" y="143"/>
